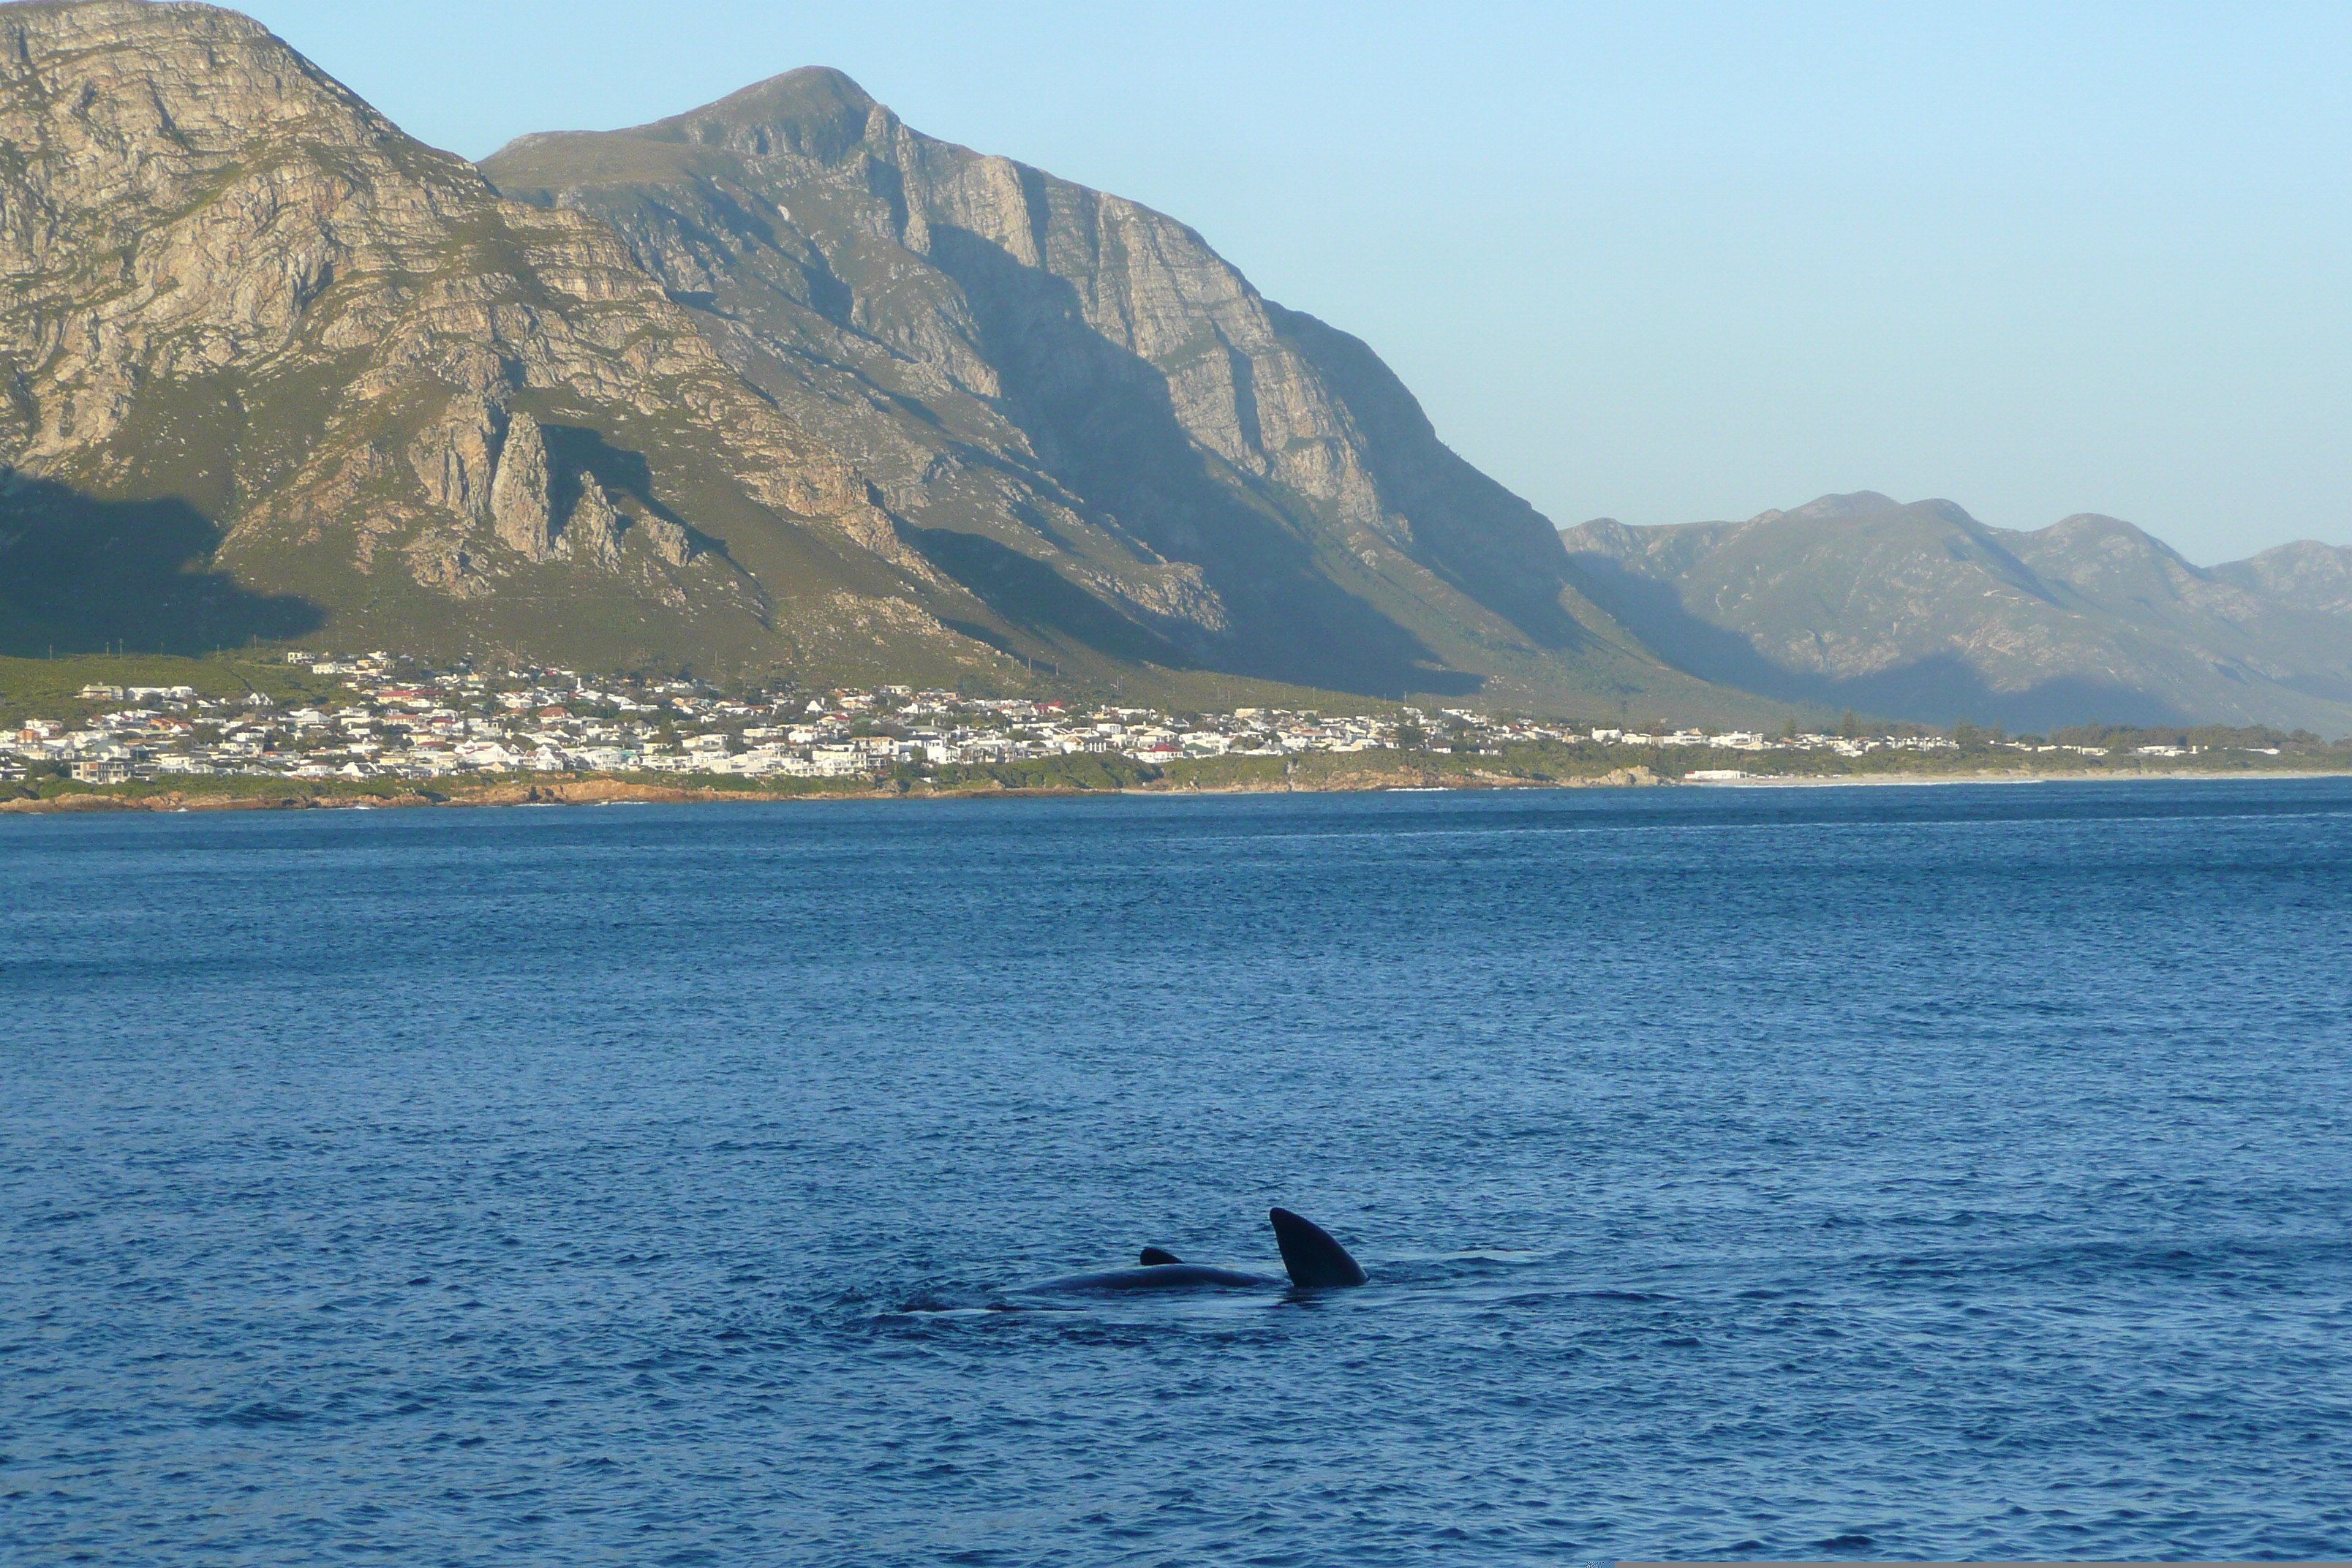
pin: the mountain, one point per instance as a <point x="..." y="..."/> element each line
<point x="276" y="368"/>
<point x="2306" y="574"/>
<point x="778" y="384"/>
<point x="1921" y="612"/>
<point x="1037" y="375"/>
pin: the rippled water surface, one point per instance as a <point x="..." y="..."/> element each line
<point x="1883" y="1173"/>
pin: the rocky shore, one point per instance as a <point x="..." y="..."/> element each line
<point x="596" y="791"/>
<point x="614" y="792"/>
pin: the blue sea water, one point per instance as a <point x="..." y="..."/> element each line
<point x="1871" y="1173"/>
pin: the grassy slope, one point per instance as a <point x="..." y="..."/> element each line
<point x="45" y="688"/>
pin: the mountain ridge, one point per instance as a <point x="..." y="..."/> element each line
<point x="1920" y="610"/>
<point x="241" y="296"/>
<point x="1039" y="323"/>
<point x="781" y="385"/>
<point x="777" y="383"/>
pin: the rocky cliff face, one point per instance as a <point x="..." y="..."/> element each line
<point x="1042" y="378"/>
<point x="777" y="383"/>
<point x="272" y="363"/>
<point x="1922" y="612"/>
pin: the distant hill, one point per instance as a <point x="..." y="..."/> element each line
<point x="776" y="383"/>
<point x="1921" y="612"/>
<point x="2306" y="574"/>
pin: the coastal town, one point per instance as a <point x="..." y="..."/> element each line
<point x="392" y="719"/>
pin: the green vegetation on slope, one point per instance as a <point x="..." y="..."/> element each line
<point x="51" y="689"/>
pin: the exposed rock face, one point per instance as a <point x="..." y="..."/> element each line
<point x="669" y="540"/>
<point x="519" y="500"/>
<point x="593" y="532"/>
<point x="1922" y="612"/>
<point x="778" y="381"/>
<point x="232" y="285"/>
<point x="1058" y="388"/>
<point x="454" y="459"/>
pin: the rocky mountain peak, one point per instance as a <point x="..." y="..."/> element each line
<point x="2084" y="528"/>
<point x="777" y="382"/>
<point x="814" y="112"/>
<point x="1920" y="610"/>
<point x="1857" y="504"/>
<point x="2096" y="554"/>
<point x="2305" y="573"/>
<point x="1045" y="381"/>
<point x="322" y="365"/>
<point x="219" y="77"/>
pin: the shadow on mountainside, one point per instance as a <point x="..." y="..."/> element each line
<point x="573" y="450"/>
<point x="79" y="574"/>
<point x="1485" y="542"/>
<point x="1100" y="419"/>
<point x="1936" y="690"/>
<point x="1029" y="593"/>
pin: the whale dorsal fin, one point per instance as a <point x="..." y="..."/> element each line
<point x="1309" y="1256"/>
<point x="1156" y="1257"/>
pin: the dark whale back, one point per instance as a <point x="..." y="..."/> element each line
<point x="1309" y="1256"/>
<point x="1161" y="1277"/>
<point x="1312" y="1259"/>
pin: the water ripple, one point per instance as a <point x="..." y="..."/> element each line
<point x="1873" y="1173"/>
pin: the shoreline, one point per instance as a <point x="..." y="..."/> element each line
<point x="2136" y="776"/>
<point x="605" y="791"/>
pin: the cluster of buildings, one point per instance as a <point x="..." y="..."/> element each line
<point x="392" y="719"/>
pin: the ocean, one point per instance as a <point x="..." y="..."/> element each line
<point x="1876" y="1173"/>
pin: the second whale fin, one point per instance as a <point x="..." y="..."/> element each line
<point x="1158" y="1256"/>
<point x="1309" y="1256"/>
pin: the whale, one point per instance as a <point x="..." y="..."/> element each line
<point x="1311" y="1260"/>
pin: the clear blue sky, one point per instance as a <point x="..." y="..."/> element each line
<point x="1662" y="262"/>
